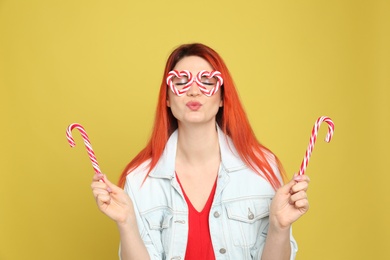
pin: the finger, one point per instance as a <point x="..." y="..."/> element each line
<point x="286" y="189"/>
<point x="300" y="186"/>
<point x="102" y="199"/>
<point x="111" y="187"/>
<point x="301" y="178"/>
<point x="98" y="191"/>
<point x="97" y="177"/>
<point x="302" y="205"/>
<point x="100" y="181"/>
<point x="97" y="185"/>
<point x="301" y="195"/>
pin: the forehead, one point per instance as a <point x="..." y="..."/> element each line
<point x="194" y="64"/>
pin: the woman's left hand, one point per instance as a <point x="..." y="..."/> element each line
<point x="290" y="202"/>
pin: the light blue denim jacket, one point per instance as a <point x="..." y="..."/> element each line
<point x="238" y="217"/>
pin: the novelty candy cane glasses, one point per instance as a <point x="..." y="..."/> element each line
<point x="181" y="81"/>
<point x="313" y="139"/>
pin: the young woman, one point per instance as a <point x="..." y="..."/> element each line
<point x="203" y="187"/>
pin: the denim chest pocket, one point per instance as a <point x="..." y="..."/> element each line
<point x="248" y="220"/>
<point x="159" y="223"/>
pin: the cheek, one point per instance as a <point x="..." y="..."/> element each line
<point x="173" y="103"/>
<point x="219" y="96"/>
<point x="170" y="97"/>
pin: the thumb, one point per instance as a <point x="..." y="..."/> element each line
<point x="111" y="187"/>
<point x="286" y="189"/>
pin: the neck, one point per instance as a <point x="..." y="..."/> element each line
<point x="197" y="144"/>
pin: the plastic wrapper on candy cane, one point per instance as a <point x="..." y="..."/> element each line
<point x="313" y="139"/>
<point x="87" y="143"/>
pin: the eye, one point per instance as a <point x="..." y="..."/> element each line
<point x="180" y="81"/>
<point x="208" y="81"/>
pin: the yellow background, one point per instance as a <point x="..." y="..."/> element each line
<point x="100" y="63"/>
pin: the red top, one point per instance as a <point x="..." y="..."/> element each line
<point x="199" y="245"/>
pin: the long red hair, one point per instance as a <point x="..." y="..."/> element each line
<point x="231" y="118"/>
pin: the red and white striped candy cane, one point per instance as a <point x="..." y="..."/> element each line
<point x="209" y="75"/>
<point x="87" y="143"/>
<point x="180" y="74"/>
<point x="313" y="139"/>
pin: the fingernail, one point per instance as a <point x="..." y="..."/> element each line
<point x="109" y="189"/>
<point x="298" y="178"/>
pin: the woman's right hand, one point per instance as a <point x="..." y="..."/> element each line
<point x="115" y="203"/>
<point x="112" y="200"/>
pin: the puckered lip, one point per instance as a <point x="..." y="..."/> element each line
<point x="193" y="105"/>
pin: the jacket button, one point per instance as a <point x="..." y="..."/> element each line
<point x="250" y="214"/>
<point x="216" y="214"/>
<point x="222" y="250"/>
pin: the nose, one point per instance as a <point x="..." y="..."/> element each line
<point x="194" y="90"/>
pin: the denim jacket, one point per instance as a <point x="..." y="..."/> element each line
<point x="238" y="217"/>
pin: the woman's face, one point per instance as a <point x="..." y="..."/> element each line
<point x="193" y="107"/>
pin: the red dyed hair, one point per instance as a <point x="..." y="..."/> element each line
<point x="231" y="118"/>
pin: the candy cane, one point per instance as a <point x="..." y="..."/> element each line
<point x="87" y="143"/>
<point x="313" y="139"/>
<point x="209" y="75"/>
<point x="179" y="74"/>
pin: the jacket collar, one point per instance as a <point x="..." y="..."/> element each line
<point x="165" y="167"/>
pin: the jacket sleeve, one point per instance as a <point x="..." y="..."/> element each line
<point x="257" y="253"/>
<point x="153" y="252"/>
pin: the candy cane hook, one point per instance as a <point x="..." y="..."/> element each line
<point x="313" y="139"/>
<point x="87" y="143"/>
